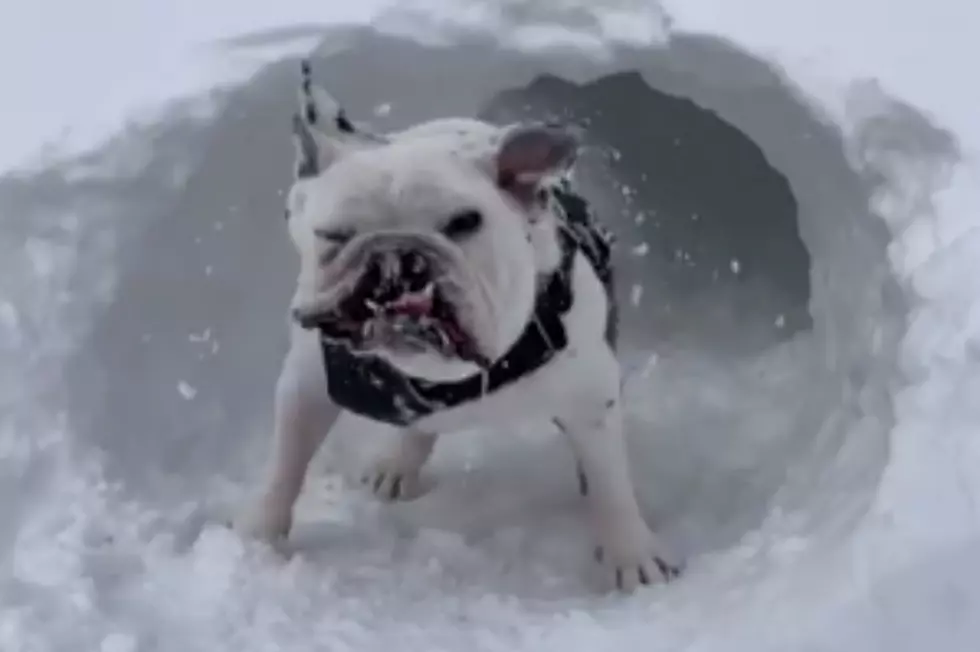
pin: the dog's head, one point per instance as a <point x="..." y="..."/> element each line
<point x="424" y="247"/>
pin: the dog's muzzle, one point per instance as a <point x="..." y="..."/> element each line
<point x="396" y="296"/>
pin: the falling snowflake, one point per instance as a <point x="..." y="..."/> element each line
<point x="203" y="337"/>
<point x="186" y="390"/>
<point x="648" y="366"/>
<point x="636" y="294"/>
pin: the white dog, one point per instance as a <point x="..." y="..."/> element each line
<point x="450" y="278"/>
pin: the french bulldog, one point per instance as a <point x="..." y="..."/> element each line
<point x="450" y="277"/>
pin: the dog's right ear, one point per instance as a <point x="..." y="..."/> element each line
<point x="322" y="132"/>
<point x="528" y="153"/>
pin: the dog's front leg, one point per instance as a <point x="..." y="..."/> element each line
<point x="593" y="423"/>
<point x="304" y="414"/>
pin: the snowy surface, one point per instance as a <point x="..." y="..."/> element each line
<point x="130" y="59"/>
<point x="88" y="567"/>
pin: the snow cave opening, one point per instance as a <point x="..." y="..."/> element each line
<point x="757" y="348"/>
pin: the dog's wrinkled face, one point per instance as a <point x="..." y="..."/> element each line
<point x="424" y="248"/>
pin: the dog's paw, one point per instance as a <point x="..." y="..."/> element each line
<point x="632" y="556"/>
<point x="260" y="523"/>
<point x="389" y="483"/>
<point x="396" y="472"/>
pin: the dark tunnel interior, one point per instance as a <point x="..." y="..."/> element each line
<point x="705" y="224"/>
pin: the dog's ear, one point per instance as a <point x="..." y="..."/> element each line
<point x="322" y="132"/>
<point x="528" y="153"/>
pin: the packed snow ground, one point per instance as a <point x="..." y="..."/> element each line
<point x="86" y="568"/>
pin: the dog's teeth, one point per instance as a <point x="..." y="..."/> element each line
<point x="429" y="290"/>
<point x="373" y="305"/>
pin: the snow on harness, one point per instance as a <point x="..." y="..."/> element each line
<point x="372" y="387"/>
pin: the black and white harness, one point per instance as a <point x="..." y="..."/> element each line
<point x="370" y="386"/>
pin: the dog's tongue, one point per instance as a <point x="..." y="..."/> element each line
<point x="411" y="305"/>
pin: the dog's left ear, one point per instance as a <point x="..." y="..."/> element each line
<point x="529" y="153"/>
<point x="322" y="132"/>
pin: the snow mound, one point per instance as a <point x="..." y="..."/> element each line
<point x="795" y="335"/>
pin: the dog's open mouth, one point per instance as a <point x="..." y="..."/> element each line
<point x="405" y="311"/>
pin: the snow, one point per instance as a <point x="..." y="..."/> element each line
<point x="132" y="59"/>
<point x="925" y="510"/>
<point x="89" y="567"/>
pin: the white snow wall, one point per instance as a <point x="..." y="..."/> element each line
<point x="833" y="363"/>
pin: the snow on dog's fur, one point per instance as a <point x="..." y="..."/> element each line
<point x="435" y="254"/>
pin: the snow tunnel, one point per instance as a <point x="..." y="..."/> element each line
<point x="761" y="323"/>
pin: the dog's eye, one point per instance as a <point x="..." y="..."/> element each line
<point x="335" y="236"/>
<point x="463" y="224"/>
